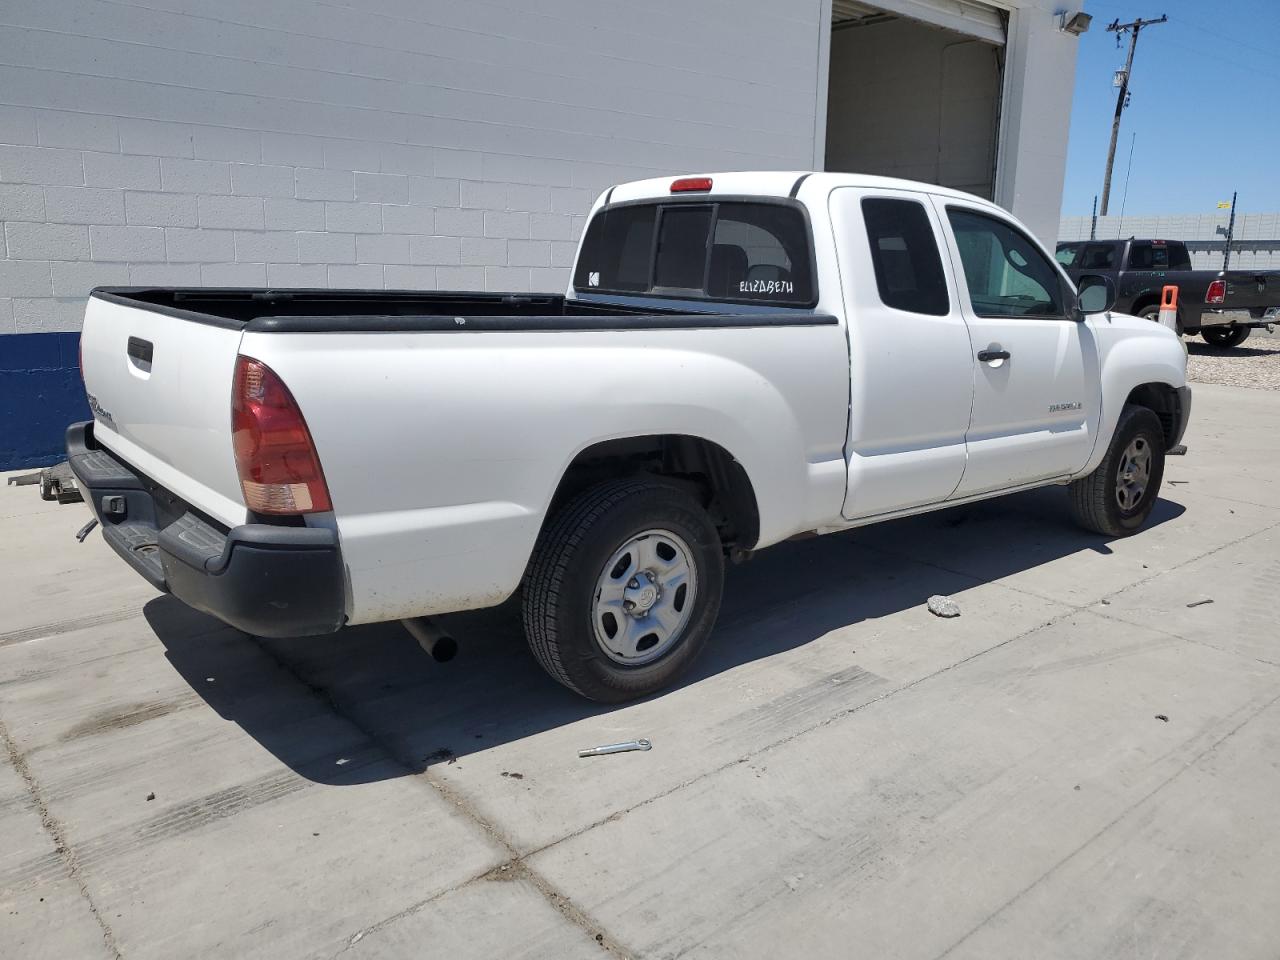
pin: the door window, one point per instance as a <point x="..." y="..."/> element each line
<point x="904" y="253"/>
<point x="1006" y="273"/>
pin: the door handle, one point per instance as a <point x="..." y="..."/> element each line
<point x="140" y="350"/>
<point x="986" y="356"/>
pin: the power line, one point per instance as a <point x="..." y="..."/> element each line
<point x="1201" y="28"/>
<point x="1229" y="61"/>
<point x="1270" y="54"/>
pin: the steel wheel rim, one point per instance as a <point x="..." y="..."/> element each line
<point x="644" y="598"/>
<point x="1133" y="476"/>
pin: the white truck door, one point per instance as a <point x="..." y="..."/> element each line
<point x="1036" y="385"/>
<point x="910" y="359"/>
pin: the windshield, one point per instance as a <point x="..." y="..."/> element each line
<point x="736" y="250"/>
<point x="1066" y="253"/>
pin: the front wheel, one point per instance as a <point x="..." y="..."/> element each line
<point x="1116" y="499"/>
<point x="1225" y="337"/>
<point x="623" y="589"/>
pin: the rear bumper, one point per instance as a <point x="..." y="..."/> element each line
<point x="268" y="580"/>
<point x="1240" y="317"/>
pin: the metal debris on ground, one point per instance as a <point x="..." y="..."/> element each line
<point x="615" y="748"/>
<point x="1200" y="603"/>
<point x="56" y="483"/>
<point x="941" y="606"/>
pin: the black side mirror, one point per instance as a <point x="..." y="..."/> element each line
<point x="1095" y="293"/>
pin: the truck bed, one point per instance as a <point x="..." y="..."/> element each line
<point x="444" y="421"/>
<point x="323" y="310"/>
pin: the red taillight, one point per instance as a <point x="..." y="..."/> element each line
<point x="691" y="185"/>
<point x="277" y="462"/>
<point x="1217" y="292"/>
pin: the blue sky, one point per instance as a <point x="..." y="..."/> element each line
<point x="1205" y="107"/>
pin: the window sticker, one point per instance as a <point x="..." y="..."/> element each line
<point x="766" y="286"/>
<point x="593" y="279"/>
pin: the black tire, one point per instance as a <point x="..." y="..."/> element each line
<point x="1225" y="337"/>
<point x="560" y="585"/>
<point x="1095" y="503"/>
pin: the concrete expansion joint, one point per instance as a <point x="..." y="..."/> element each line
<point x="62" y="846"/>
<point x="514" y="864"/>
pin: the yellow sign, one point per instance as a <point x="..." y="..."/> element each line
<point x="1224" y="205"/>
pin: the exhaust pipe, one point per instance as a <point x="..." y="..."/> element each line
<point x="437" y="644"/>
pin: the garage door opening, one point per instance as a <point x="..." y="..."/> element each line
<point x="914" y="91"/>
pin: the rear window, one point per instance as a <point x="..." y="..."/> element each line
<point x="1158" y="255"/>
<point x="742" y="251"/>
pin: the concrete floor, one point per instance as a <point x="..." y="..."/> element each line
<point x="843" y="776"/>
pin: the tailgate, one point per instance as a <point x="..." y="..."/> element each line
<point x="159" y="386"/>
<point x="1248" y="289"/>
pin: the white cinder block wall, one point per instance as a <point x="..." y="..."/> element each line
<point x="1255" y="242"/>
<point x="383" y="143"/>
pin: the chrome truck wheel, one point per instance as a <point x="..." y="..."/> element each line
<point x="1133" y="475"/>
<point x="644" y="596"/>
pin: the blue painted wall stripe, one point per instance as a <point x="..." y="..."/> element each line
<point x="40" y="393"/>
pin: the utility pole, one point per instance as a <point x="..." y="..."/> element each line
<point x="1132" y="28"/>
<point x="1093" y="226"/>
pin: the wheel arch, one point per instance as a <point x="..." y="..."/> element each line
<point x="1162" y="400"/>
<point x="1141" y="302"/>
<point x="711" y="472"/>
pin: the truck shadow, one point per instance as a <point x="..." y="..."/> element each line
<point x="333" y="708"/>
<point x="1204" y="350"/>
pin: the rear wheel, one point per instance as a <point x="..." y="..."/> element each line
<point x="1116" y="499"/>
<point x="1225" y="337"/>
<point x="623" y="589"/>
<point x="1152" y="312"/>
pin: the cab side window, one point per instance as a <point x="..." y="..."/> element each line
<point x="1006" y="273"/>
<point x="1097" y="256"/>
<point x="904" y="254"/>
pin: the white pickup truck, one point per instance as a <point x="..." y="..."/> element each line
<point x="740" y="358"/>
